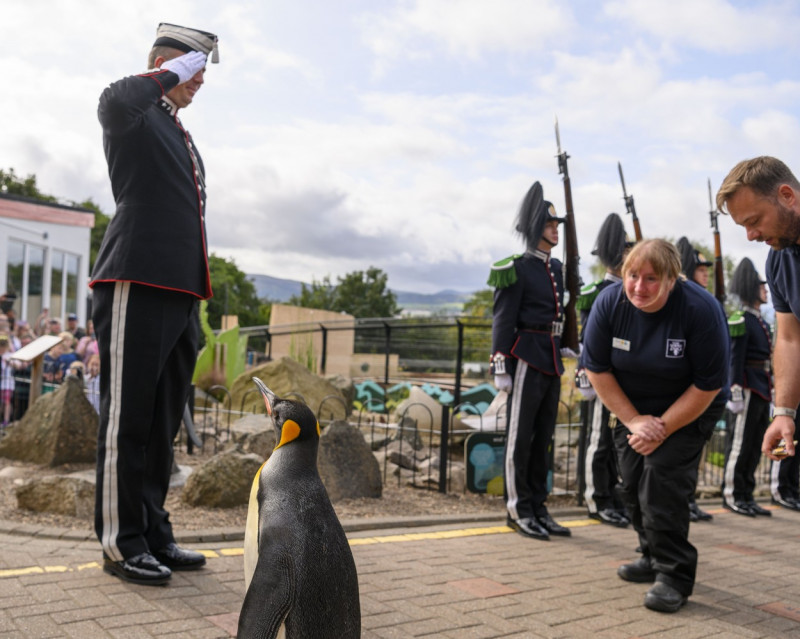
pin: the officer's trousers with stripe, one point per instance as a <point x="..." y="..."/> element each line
<point x="147" y="339"/>
<point x="532" y="411"/>
<point x="743" y="449"/>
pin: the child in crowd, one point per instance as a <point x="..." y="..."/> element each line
<point x="92" y="381"/>
<point x="6" y="377"/>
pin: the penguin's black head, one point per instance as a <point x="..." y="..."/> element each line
<point x="293" y="420"/>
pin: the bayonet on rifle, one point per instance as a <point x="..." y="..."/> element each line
<point x="719" y="272"/>
<point x="629" y="205"/>
<point x="572" y="282"/>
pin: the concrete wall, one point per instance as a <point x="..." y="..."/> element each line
<point x="296" y="333"/>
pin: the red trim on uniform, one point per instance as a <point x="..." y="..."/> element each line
<point x="165" y="288"/>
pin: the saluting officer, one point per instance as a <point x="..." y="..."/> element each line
<point x="526" y="362"/>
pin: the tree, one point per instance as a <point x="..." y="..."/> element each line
<point x="13" y="185"/>
<point x="360" y="293"/>
<point x="234" y="294"/>
<point x="480" y="305"/>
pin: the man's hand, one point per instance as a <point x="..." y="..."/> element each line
<point x="186" y="65"/>
<point x="503" y="382"/>
<point x="781" y="428"/>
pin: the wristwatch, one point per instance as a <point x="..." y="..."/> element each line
<point x="781" y="411"/>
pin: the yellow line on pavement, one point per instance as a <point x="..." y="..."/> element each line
<point x="356" y="541"/>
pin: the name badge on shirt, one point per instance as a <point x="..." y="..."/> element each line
<point x="622" y="344"/>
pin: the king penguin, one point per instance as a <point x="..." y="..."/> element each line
<point x="299" y="572"/>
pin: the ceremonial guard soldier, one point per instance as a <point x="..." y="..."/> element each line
<point x="751" y="391"/>
<point x="526" y="362"/>
<point x="695" y="267"/>
<point x="597" y="455"/>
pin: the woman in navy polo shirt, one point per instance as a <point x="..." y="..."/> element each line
<point x="656" y="351"/>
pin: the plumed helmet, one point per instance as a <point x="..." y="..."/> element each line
<point x="746" y="282"/>
<point x="691" y="258"/>
<point x="611" y="242"/>
<point x="534" y="213"/>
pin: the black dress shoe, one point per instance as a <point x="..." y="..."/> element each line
<point x="639" y="571"/>
<point x="758" y="510"/>
<point x="528" y="527"/>
<point x="547" y="522"/>
<point x="696" y="514"/>
<point x="787" y="502"/>
<point x="739" y="507"/>
<point x="664" y="598"/>
<point x="611" y="517"/>
<point x="143" y="569"/>
<point x="178" y="558"/>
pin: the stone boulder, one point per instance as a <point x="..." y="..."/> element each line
<point x="347" y="388"/>
<point x="60" y="494"/>
<point x="224" y="481"/>
<point x="60" y="428"/>
<point x="426" y="411"/>
<point x="254" y="434"/>
<point x="285" y="377"/>
<point x="346" y="463"/>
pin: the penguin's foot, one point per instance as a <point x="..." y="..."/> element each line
<point x="177" y="558"/>
<point x="143" y="569"/>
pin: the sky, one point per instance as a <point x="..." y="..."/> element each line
<point x="403" y="134"/>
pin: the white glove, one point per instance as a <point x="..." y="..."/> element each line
<point x="735" y="407"/>
<point x="186" y="65"/>
<point x="503" y="382"/>
<point x="587" y="393"/>
<point x="568" y="352"/>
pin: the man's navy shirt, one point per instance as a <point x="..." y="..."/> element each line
<point x="655" y="357"/>
<point x="783" y="277"/>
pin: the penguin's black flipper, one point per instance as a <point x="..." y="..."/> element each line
<point x="268" y="599"/>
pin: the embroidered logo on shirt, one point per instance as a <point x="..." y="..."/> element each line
<point x="675" y="348"/>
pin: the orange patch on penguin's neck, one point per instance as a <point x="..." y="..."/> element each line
<point x="289" y="432"/>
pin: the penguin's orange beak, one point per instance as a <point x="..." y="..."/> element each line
<point x="269" y="396"/>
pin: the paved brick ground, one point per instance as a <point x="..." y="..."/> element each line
<point x="468" y="580"/>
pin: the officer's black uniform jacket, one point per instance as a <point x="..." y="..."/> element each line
<point x="157" y="236"/>
<point x="752" y="346"/>
<point x="535" y="300"/>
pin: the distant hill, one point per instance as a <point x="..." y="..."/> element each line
<point x="276" y="289"/>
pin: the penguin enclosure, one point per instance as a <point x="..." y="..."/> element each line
<point x="418" y="390"/>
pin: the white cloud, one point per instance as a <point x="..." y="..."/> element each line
<point x="719" y="26"/>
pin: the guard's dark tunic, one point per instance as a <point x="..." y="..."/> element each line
<point x="157" y="235"/>
<point x="522" y="330"/>
<point x="655" y="358"/>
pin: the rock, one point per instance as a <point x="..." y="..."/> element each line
<point x="408" y="433"/>
<point x="286" y="378"/>
<point x="60" y="494"/>
<point x="60" y="428"/>
<point x="224" y="481"/>
<point x="425" y="410"/>
<point x="254" y="434"/>
<point x="347" y="388"/>
<point x="346" y="463"/>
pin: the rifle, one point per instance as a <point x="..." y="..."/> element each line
<point x="719" y="273"/>
<point x="629" y="206"/>
<point x="569" y="337"/>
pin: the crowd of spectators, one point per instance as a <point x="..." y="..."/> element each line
<point x="75" y="354"/>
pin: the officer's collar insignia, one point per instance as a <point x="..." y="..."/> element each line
<point x="165" y="104"/>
